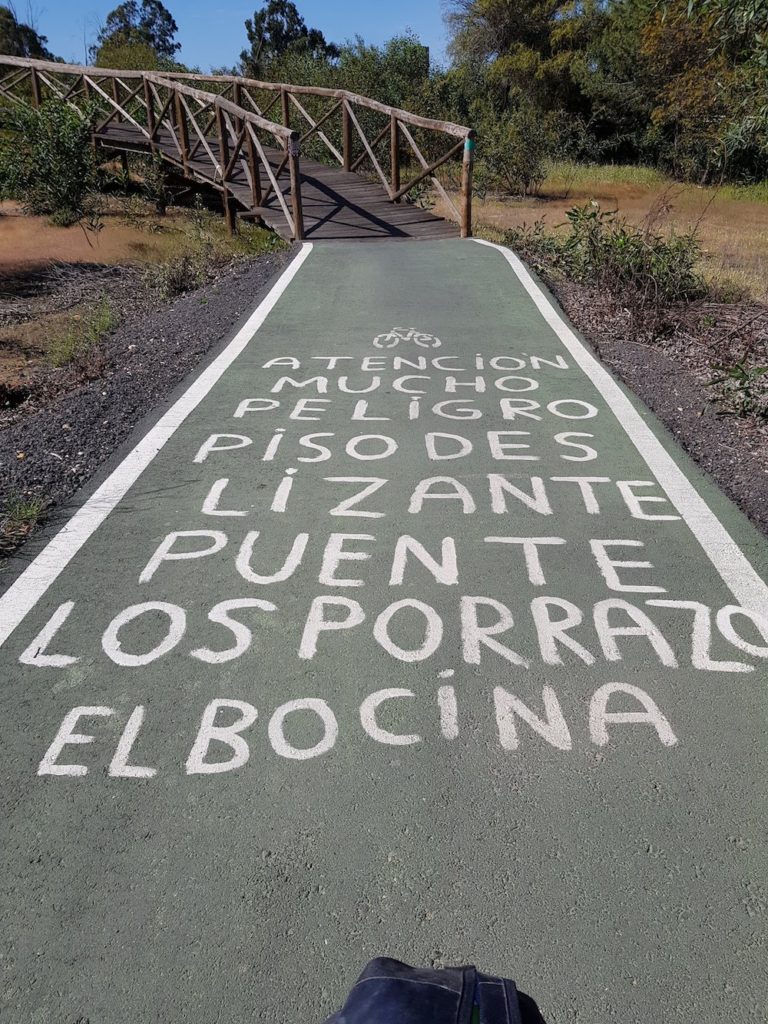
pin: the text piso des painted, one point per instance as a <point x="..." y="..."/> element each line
<point x="635" y="604"/>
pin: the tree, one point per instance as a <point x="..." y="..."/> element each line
<point x="486" y="29"/>
<point x="618" y="81"/>
<point x="145" y="23"/>
<point x="528" y="47"/>
<point x="278" y="29"/>
<point x="683" y="83"/>
<point x="20" y="40"/>
<point x="393" y="73"/>
<point x="735" y="17"/>
<point x="127" y="56"/>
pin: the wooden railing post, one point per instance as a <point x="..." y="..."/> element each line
<point x="466" y="185"/>
<point x="150" y="115"/>
<point x="36" y="97"/>
<point x="286" y="111"/>
<point x="181" y="125"/>
<point x="394" y="154"/>
<point x="346" y="135"/>
<point x="237" y="99"/>
<point x="173" y="119"/>
<point x="255" y="170"/>
<point x="229" y="212"/>
<point x="116" y="97"/>
<point x="295" y="173"/>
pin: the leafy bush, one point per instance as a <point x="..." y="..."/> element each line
<point x="46" y="160"/>
<point x="536" y="243"/>
<point x="604" y="248"/>
<point x="176" y="276"/>
<point x="154" y="178"/>
<point x="599" y="248"/>
<point x="513" y="151"/>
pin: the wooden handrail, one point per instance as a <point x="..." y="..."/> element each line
<point x="447" y="127"/>
<point x="230" y="117"/>
<point x="158" y="78"/>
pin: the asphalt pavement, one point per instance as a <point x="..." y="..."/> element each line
<point x="404" y="631"/>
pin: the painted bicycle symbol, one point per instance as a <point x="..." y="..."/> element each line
<point x="392" y="338"/>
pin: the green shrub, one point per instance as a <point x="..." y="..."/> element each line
<point x="18" y="517"/>
<point x="599" y="248"/>
<point x="82" y="333"/>
<point x="25" y="509"/>
<point x="513" y="151"/>
<point x="252" y="240"/>
<point x="154" y="183"/>
<point x="536" y="243"/>
<point x="46" y="161"/>
<point x="605" y="249"/>
<point x="176" y="276"/>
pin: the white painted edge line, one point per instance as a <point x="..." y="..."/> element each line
<point x="735" y="570"/>
<point x="29" y="587"/>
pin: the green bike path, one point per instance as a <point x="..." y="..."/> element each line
<point x="405" y="631"/>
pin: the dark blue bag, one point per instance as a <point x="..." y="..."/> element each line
<point x="390" y="992"/>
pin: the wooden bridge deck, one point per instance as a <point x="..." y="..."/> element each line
<point x="337" y="204"/>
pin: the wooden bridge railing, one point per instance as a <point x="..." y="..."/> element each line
<point x="216" y="132"/>
<point x="204" y="133"/>
<point x="397" y="131"/>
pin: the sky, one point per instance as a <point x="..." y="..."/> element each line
<point x="212" y="33"/>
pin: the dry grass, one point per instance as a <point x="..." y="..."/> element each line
<point x="28" y="244"/>
<point x="731" y="222"/>
<point x="127" y="231"/>
<point x="61" y="288"/>
<point x="18" y="518"/>
<point x="83" y="329"/>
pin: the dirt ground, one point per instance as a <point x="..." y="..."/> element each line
<point x="41" y="288"/>
<point x="28" y="244"/>
<point x="36" y="307"/>
<point x="52" y="278"/>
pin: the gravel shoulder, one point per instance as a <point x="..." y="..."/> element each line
<point x="54" y="442"/>
<point x="670" y="372"/>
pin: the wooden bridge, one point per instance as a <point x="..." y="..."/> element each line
<point x="335" y="164"/>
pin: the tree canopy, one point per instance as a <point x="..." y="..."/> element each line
<point x="20" y="40"/>
<point x="681" y="83"/>
<point x="145" y="23"/>
<point x="277" y="29"/>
